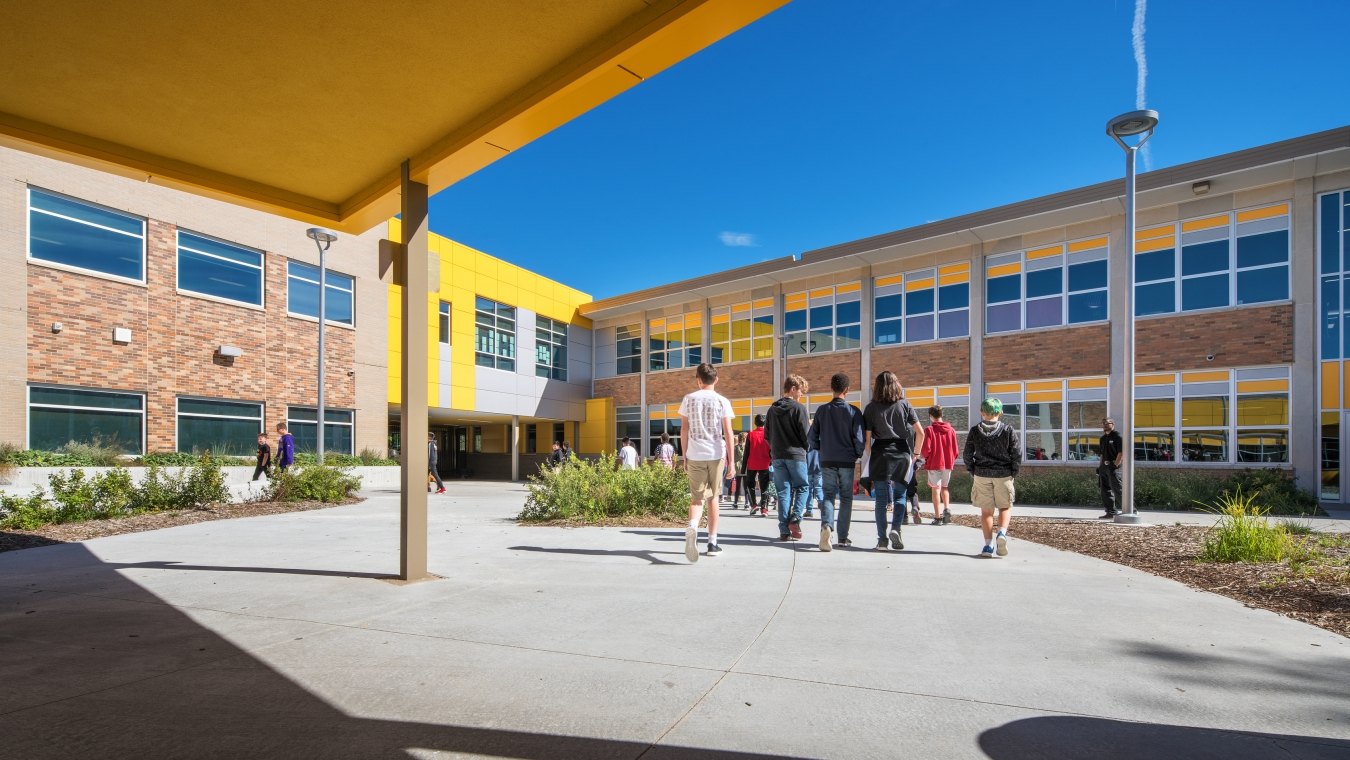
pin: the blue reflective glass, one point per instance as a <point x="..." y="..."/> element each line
<point x="1155" y="265"/>
<point x="1345" y="248"/>
<point x="821" y="316"/>
<point x="87" y="213"/>
<point x="847" y="337"/>
<point x="796" y="344"/>
<point x="847" y="313"/>
<point x="217" y="248"/>
<point x="1045" y="282"/>
<point x="1330" y="238"/>
<point x="919" y="302"/>
<point x="1331" y="318"/>
<point x="1204" y="292"/>
<point x="888" y="307"/>
<point x="74" y="244"/>
<point x="220" y="278"/>
<point x="954" y="324"/>
<point x="794" y="321"/>
<point x="919" y="328"/>
<point x="1088" y="275"/>
<point x="302" y="295"/>
<point x="820" y="341"/>
<point x="50" y="429"/>
<point x="954" y="296"/>
<point x="1089" y="307"/>
<point x="1001" y="289"/>
<point x="1259" y="285"/>
<point x="1045" y="312"/>
<point x="1345" y="335"/>
<point x="1003" y="317"/>
<point x="337" y="439"/>
<point x="887" y="332"/>
<point x="1266" y="248"/>
<point x="1159" y="298"/>
<point x="1204" y="257"/>
<point x="74" y="397"/>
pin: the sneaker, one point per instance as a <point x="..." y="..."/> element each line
<point x="937" y="521"/>
<point x="714" y="550"/>
<point x="986" y="553"/>
<point x="691" y="544"/>
<point x="946" y="516"/>
<point x="785" y="537"/>
<point x="795" y="528"/>
<point x="896" y="543"/>
<point x="915" y="516"/>
<point x="438" y="490"/>
<point x="809" y="514"/>
<point x="1001" y="541"/>
<point x="1107" y="516"/>
<point x="825" y="535"/>
<point x="881" y="545"/>
<point x="844" y="543"/>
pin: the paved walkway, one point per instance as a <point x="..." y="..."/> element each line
<point x="275" y="637"/>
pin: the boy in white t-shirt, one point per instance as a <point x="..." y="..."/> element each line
<point x="705" y="439"/>
<point x="628" y="456"/>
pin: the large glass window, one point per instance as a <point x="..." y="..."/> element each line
<point x="675" y="342"/>
<point x="85" y="236"/>
<point x="302" y="293"/>
<point x="227" y="428"/>
<point x="550" y="347"/>
<point x="222" y="270"/>
<point x="823" y="320"/>
<point x="1054" y="285"/>
<point x="57" y="416"/>
<point x="443" y="323"/>
<point x="628" y="424"/>
<point x="1058" y="420"/>
<point x="663" y="419"/>
<point x="303" y="423"/>
<point x="1333" y="254"/>
<point x="926" y="304"/>
<point x="1223" y="416"/>
<point x="955" y="402"/>
<point x="494" y="334"/>
<point x="742" y="332"/>
<point x="628" y="349"/>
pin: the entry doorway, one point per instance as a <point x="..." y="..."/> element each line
<point x="452" y="451"/>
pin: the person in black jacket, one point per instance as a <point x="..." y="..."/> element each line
<point x="993" y="456"/>
<point x="837" y="433"/>
<point x="1111" y="450"/>
<point x="785" y="428"/>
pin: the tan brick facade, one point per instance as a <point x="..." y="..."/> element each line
<point x="818" y="369"/>
<point x="626" y="390"/>
<point x="923" y="365"/>
<point x="748" y="380"/>
<point x="1066" y="352"/>
<point x="1235" y="338"/>
<point x="670" y="386"/>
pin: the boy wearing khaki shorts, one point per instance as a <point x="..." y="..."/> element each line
<point x="993" y="456"/>
<point x="706" y="439"/>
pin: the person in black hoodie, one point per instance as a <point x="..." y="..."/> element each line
<point x="993" y="456"/>
<point x="785" y="427"/>
<point x="837" y="433"/>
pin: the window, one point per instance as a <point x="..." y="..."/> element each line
<point x="559" y="432"/>
<point x="303" y="422"/>
<point x="84" y="236"/>
<point x="1212" y="262"/>
<point x="1055" y="285"/>
<point x="302" y="293"/>
<point x="628" y="349"/>
<point x="57" y="416"/>
<point x="823" y="320"/>
<point x="478" y="439"/>
<point x="675" y="342"/>
<point x="221" y="270"/>
<point x="923" y="305"/>
<point x="1222" y="416"/>
<point x="1057" y="420"/>
<point x="443" y="323"/>
<point x="742" y="332"/>
<point x="955" y="401"/>
<point x="663" y="419"/>
<point x="550" y="346"/>
<point x="628" y="424"/>
<point x="227" y="428"/>
<point x="746" y="409"/>
<point x="1333" y="253"/>
<point x="494" y="335"/>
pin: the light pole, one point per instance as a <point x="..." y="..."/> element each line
<point x="322" y="238"/>
<point x="1125" y="125"/>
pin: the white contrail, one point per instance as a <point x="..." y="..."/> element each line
<point x="1141" y="66"/>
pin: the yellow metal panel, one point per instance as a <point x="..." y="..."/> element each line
<point x="1205" y="377"/>
<point x="1166" y="379"/>
<point x="672" y="411"/>
<point x="1156" y="244"/>
<point x="1155" y="232"/>
<point x="1279" y="209"/>
<point x="763" y="402"/>
<point x="1205" y="224"/>
<point x="795" y="301"/>
<point x="721" y="319"/>
<point x="954" y="279"/>
<point x="1038" y="396"/>
<point x="1345" y="387"/>
<point x="657" y="323"/>
<point x="822" y="292"/>
<point x="740" y="308"/>
<point x="1004" y="269"/>
<point x="852" y="287"/>
<point x="1087" y="382"/>
<point x="926" y="282"/>
<point x="1331" y="385"/>
<point x="1005" y="388"/>
<point x="954" y="390"/>
<point x="693" y="319"/>
<point x="962" y="266"/>
<point x="1045" y="253"/>
<point x="764" y="303"/>
<point x="1262" y="386"/>
<point x="1087" y="245"/>
<point x="895" y="279"/>
<point x="1044" y="385"/>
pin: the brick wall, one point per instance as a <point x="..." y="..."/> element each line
<point x="1068" y="352"/>
<point x="625" y="389"/>
<point x="750" y="380"/>
<point x="1235" y="338"/>
<point x="669" y="386"/>
<point x="174" y="341"/>
<point x="922" y="365"/>
<point x="818" y="369"/>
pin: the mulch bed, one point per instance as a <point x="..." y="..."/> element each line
<point x="13" y="539"/>
<point x="1321" y="597"/>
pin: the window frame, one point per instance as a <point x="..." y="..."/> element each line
<point x="690" y="353"/>
<point x="292" y="422"/>
<point x="498" y="360"/>
<point x="28" y="236"/>
<point x="548" y="325"/>
<point x="261" y="266"/>
<point x="750" y="313"/>
<point x="1058" y="391"/>
<point x="443" y="335"/>
<point x="943" y="276"/>
<point x="28" y="406"/>
<point x="327" y="300"/>
<point x="812" y="299"/>
<point x="1059" y="257"/>
<point x="1201" y="386"/>
<point x="178" y="415"/>
<point x="631" y="334"/>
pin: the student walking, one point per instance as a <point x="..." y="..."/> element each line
<point x="939" y="457"/>
<point x="738" y="483"/>
<point x="555" y="457"/>
<point x="665" y="453"/>
<point x="285" y="447"/>
<point x="705" y="437"/>
<point x="433" y="465"/>
<point x="628" y="455"/>
<point x="888" y="420"/>
<point x="264" y="458"/>
<point x="758" y="459"/>
<point x="993" y="456"/>
<point x="785" y="427"/>
<point x="837" y="434"/>
<point x="815" y="485"/>
<point x="1111" y="450"/>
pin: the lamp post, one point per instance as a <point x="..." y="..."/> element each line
<point x="322" y="239"/>
<point x="1130" y="124"/>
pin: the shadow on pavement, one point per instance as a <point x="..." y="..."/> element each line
<point x="170" y="565"/>
<point x="1071" y="738"/>
<point x="1328" y="675"/>
<point x="650" y="556"/>
<point x="10" y="541"/>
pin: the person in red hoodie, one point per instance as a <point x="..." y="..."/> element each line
<point x="756" y="468"/>
<point x="939" y="457"/>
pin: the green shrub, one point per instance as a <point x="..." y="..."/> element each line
<point x="366" y="458"/>
<point x="1243" y="533"/>
<point x="95" y="454"/>
<point x="7" y="466"/>
<point x="373" y="458"/>
<point x="313" y="483"/>
<point x="593" y="490"/>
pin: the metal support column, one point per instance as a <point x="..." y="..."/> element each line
<point x="515" y="447"/>
<point x="413" y="419"/>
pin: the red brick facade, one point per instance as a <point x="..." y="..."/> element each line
<point x="1067" y="352"/>
<point x="1235" y="338"/>
<point x="818" y="369"/>
<point x="626" y="390"/>
<point x="669" y="386"/>
<point x="923" y="365"/>
<point x="174" y="339"/>
<point x="748" y="380"/>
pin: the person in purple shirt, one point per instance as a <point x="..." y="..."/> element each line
<point x="285" y="447"/>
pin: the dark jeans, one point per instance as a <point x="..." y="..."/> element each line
<point x="432" y="472"/>
<point x="261" y="470"/>
<point x="838" y="485"/>
<point x="882" y="493"/>
<point x="1108" y="479"/>
<point x="756" y="483"/>
<point x="738" y="490"/>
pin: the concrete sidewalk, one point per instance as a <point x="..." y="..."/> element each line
<point x="275" y="637"/>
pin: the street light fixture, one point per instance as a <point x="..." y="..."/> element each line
<point x="322" y="239"/>
<point x="1132" y="124"/>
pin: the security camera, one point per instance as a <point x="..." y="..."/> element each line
<point x="1209" y="357"/>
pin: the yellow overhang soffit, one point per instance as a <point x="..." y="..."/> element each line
<point x="307" y="108"/>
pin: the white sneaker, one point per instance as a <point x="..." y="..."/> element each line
<point x="1001" y="544"/>
<point x="825" y="536"/>
<point x="691" y="544"/>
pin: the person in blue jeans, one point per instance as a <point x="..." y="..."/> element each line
<point x="837" y="435"/>
<point x="785" y="427"/>
<point x="887" y="423"/>
<point x="815" y="485"/>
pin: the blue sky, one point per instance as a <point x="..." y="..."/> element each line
<point x="833" y="120"/>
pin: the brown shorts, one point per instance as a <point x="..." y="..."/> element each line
<point x="992" y="493"/>
<point x="705" y="479"/>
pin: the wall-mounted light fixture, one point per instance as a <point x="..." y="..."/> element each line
<point x="57" y="327"/>
<point x="231" y="352"/>
<point x="1201" y="187"/>
<point x="122" y="335"/>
